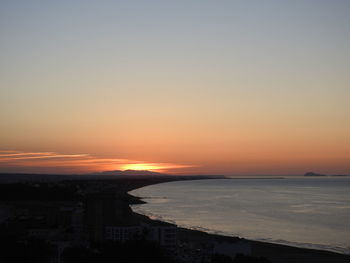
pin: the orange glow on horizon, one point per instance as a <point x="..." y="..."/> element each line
<point x="141" y="166"/>
<point x="77" y="163"/>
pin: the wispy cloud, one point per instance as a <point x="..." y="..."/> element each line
<point x="37" y="155"/>
<point x="77" y="162"/>
<point x="8" y="151"/>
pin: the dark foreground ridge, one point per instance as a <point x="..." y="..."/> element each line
<point x="91" y="221"/>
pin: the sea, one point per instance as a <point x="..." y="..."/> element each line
<point x="308" y="212"/>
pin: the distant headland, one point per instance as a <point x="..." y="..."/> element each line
<point x="317" y="174"/>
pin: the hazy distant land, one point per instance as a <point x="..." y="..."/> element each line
<point x="317" y="174"/>
<point x="116" y="174"/>
<point x="30" y="177"/>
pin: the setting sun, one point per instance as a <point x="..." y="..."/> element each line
<point x="141" y="166"/>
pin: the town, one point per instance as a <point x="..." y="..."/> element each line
<point x="91" y="220"/>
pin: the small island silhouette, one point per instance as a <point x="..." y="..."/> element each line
<point x="317" y="174"/>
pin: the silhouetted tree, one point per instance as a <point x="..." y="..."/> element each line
<point x="13" y="251"/>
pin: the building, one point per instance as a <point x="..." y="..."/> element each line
<point x="232" y="249"/>
<point x="102" y="210"/>
<point x="122" y="233"/>
<point x="166" y="236"/>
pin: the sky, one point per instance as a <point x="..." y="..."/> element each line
<point x="183" y="87"/>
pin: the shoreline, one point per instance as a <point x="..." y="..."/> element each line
<point x="272" y="251"/>
<point x="222" y="234"/>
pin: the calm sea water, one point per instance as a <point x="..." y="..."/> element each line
<point x="304" y="212"/>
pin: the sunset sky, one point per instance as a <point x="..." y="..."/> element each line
<point x="183" y="87"/>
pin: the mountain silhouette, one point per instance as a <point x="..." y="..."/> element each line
<point x="313" y="174"/>
<point x="129" y="173"/>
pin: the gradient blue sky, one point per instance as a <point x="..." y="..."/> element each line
<point x="233" y="87"/>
